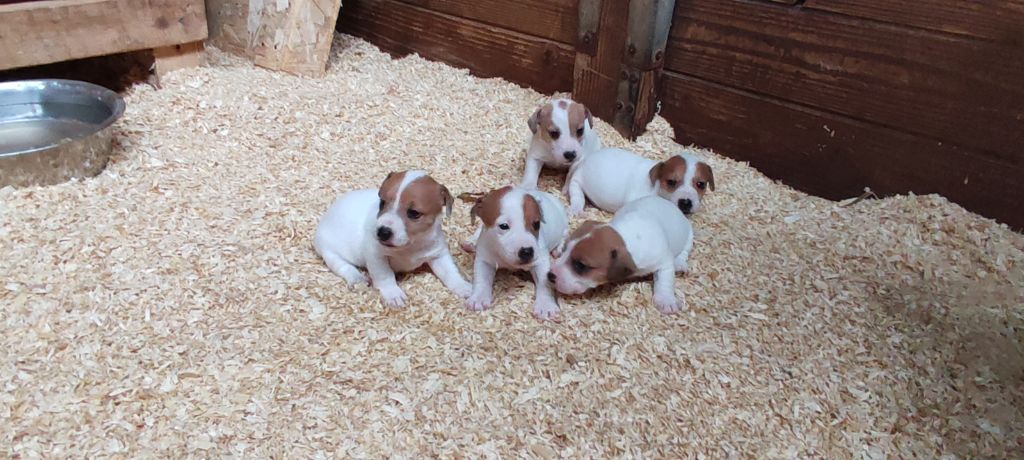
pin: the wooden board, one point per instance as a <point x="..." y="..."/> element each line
<point x="293" y="36"/>
<point x="950" y="89"/>
<point x="35" y="33"/>
<point x="835" y="156"/>
<point x="999" y="20"/>
<point x="170" y="58"/>
<point x="597" y="77"/>
<point x="551" y="19"/>
<point x="487" y="51"/>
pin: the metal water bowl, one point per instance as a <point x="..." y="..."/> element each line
<point x="52" y="131"/>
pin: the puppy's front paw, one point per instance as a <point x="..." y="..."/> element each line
<point x="394" y="297"/>
<point x="545" y="309"/>
<point x="468" y="246"/>
<point x="478" y="302"/>
<point x="575" y="209"/>
<point x="463" y="289"/>
<point x="667" y="304"/>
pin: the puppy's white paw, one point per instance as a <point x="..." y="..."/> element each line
<point x="357" y="280"/>
<point x="545" y="309"/>
<point x="667" y="304"/>
<point x="682" y="267"/>
<point x="575" y="209"/>
<point x="478" y="302"/>
<point x="463" y="289"/>
<point x="468" y="246"/>
<point x="394" y="297"/>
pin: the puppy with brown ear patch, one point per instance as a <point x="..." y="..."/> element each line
<point x="563" y="134"/>
<point x="396" y="228"/>
<point x="520" y="227"/>
<point x="648" y="235"/>
<point x="612" y="177"/>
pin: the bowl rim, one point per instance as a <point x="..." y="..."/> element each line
<point x="104" y="95"/>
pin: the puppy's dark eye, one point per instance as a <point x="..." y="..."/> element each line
<point x="382" y="204"/>
<point x="579" y="132"/>
<point x="413" y="214"/>
<point x="554" y="134"/>
<point x="503" y="226"/>
<point x="579" y="267"/>
<point x="702" y="185"/>
<point x="536" y="225"/>
<point x="672" y="182"/>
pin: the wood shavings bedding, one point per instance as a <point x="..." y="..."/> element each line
<point x="173" y="306"/>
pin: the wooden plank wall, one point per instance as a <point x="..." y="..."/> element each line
<point x="832" y="96"/>
<point x="529" y="42"/>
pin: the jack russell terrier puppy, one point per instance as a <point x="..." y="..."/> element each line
<point x="563" y="133"/>
<point x="648" y="235"/>
<point x="520" y="227"/>
<point x="396" y="228"/>
<point x="612" y="177"/>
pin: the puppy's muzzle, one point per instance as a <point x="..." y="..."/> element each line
<point x="384" y="234"/>
<point x="686" y="205"/>
<point x="525" y="255"/>
<point x="552" y="277"/>
<point x="569" y="156"/>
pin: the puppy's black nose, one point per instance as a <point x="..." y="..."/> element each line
<point x="552" y="277"/>
<point x="569" y="156"/>
<point x="686" y="206"/>
<point x="384" y="233"/>
<point x="525" y="254"/>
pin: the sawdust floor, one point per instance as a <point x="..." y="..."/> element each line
<point x="173" y="305"/>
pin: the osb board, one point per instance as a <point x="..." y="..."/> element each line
<point x="288" y="35"/>
<point x="44" y="32"/>
<point x="173" y="306"/>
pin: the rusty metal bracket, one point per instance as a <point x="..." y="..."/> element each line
<point x="647" y="33"/>
<point x="589" y="24"/>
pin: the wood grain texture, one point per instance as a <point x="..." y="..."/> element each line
<point x="486" y="51"/>
<point x="835" y="156"/>
<point x="950" y="89"/>
<point x="35" y="33"/>
<point x="998" y="20"/>
<point x="596" y="78"/>
<point x="170" y="58"/>
<point x="551" y="19"/>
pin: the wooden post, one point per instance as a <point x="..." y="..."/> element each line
<point x="620" y="53"/>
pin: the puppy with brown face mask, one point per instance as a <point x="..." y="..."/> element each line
<point x="519" y="228"/>
<point x="393" y="229"/>
<point x="648" y="235"/>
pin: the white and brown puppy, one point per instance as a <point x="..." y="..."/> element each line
<point x="393" y="229"/>
<point x="520" y="227"/>
<point x="648" y="235"/>
<point x="612" y="177"/>
<point x="563" y="133"/>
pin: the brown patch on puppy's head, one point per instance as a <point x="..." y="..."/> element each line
<point x="670" y="173"/>
<point x="541" y="120"/>
<point x="422" y="202"/>
<point x="578" y="114"/>
<point x="388" y="191"/>
<point x="488" y="207"/>
<point x="703" y="178"/>
<point x="532" y="215"/>
<point x="601" y="256"/>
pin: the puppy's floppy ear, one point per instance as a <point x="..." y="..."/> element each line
<point x="447" y="199"/>
<point x="534" y="121"/>
<point x="590" y="118"/>
<point x="621" y="267"/>
<point x="474" y="212"/>
<point x="655" y="173"/>
<point x="711" y="178"/>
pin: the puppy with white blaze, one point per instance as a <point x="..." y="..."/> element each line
<point x="612" y="177"/>
<point x="648" y="235"/>
<point x="393" y="229"/>
<point x="563" y="134"/>
<point x="519" y="229"/>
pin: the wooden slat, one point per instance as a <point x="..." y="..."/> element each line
<point x="44" y="32"/>
<point x="551" y="19"/>
<point x="486" y="51"/>
<point x="947" y="88"/>
<point x="597" y="77"/>
<point x="999" y="20"/>
<point x="835" y="156"/>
